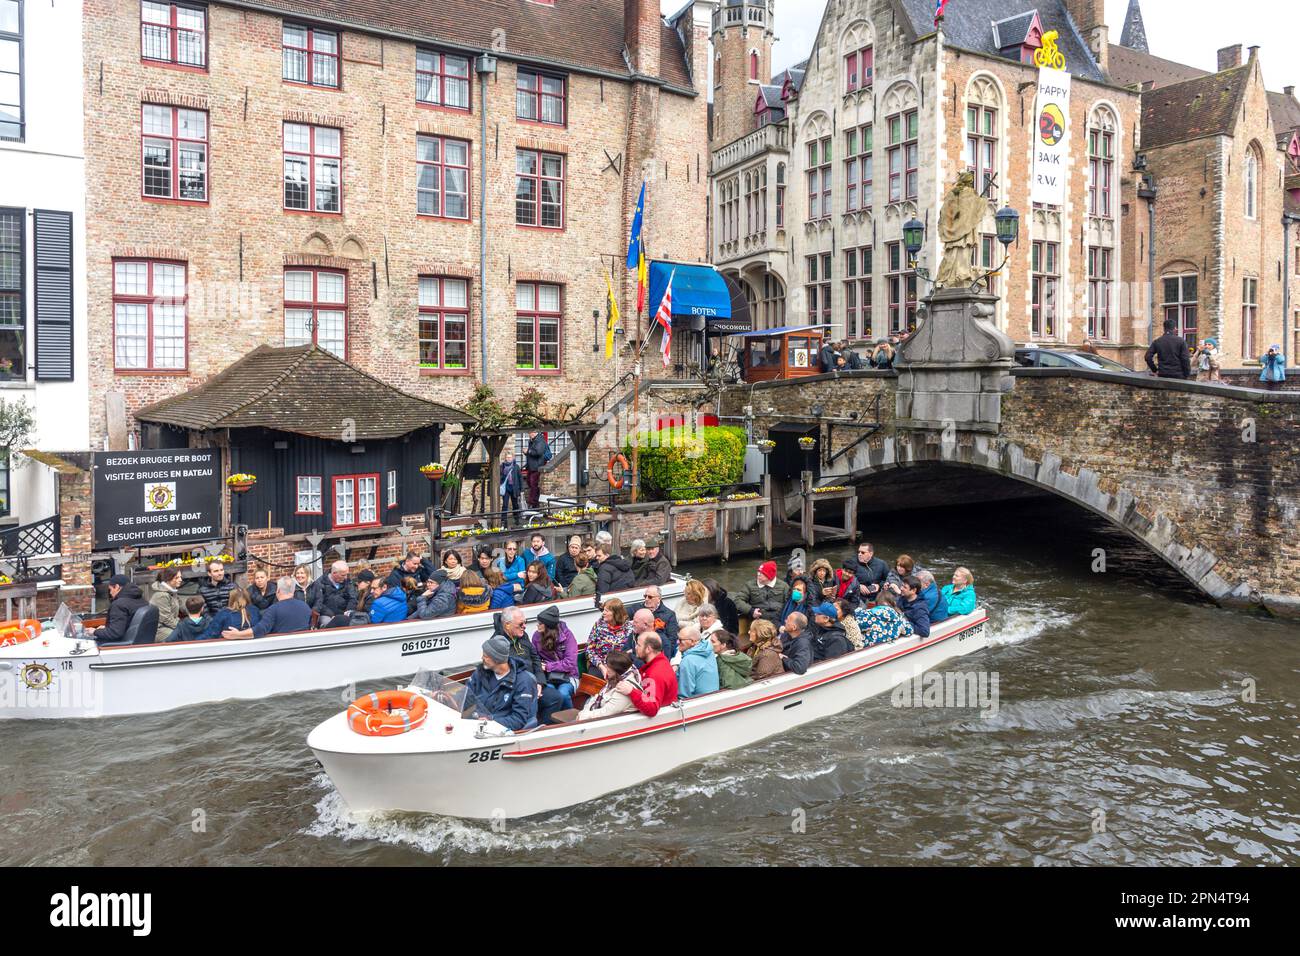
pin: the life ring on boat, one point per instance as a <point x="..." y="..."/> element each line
<point x="18" y="632"/>
<point x="373" y="715"/>
<point x="623" y="467"/>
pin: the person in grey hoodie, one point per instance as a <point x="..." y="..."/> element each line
<point x="438" y="599"/>
<point x="163" y="594"/>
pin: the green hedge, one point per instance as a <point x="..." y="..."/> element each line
<point x="677" y="458"/>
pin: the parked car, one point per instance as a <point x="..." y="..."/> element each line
<point x="1069" y="358"/>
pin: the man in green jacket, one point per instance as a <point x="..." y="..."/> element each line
<point x="765" y="597"/>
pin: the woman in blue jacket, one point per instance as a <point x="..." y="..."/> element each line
<point x="697" y="674"/>
<point x="503" y="594"/>
<point x="239" y="614"/>
<point x="960" y="595"/>
<point x="1273" y="366"/>
<point x="512" y="565"/>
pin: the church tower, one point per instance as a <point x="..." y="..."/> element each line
<point x="742" y="62"/>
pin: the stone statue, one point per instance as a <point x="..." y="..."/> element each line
<point x="959" y="228"/>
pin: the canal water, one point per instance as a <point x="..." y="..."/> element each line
<point x="1125" y="732"/>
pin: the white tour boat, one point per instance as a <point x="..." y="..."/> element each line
<point x="477" y="770"/>
<point x="57" y="675"/>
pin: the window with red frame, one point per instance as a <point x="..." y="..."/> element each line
<point x="174" y="153"/>
<point x="356" y="501"/>
<point x="149" y="301"/>
<point x="537" y="326"/>
<point x="313" y="168"/>
<point x="903" y="156"/>
<point x="1101" y="170"/>
<point x="819" y="179"/>
<point x="858" y="168"/>
<point x="174" y="33"/>
<point x="1099" y="289"/>
<point x="1046" y="271"/>
<point x="753" y="66"/>
<point x="539" y="97"/>
<point x="442" y="79"/>
<point x="859" y="68"/>
<point x="902" y="291"/>
<point x="444" y="323"/>
<point x="311" y="56"/>
<point x="982" y="148"/>
<point x="442" y="188"/>
<point x="780" y="195"/>
<point x="539" y="189"/>
<point x="316" y="309"/>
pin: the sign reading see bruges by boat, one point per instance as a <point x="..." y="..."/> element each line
<point x="168" y="496"/>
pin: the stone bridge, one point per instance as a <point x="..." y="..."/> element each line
<point x="1205" y="475"/>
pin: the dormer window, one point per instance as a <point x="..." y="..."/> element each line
<point x="1018" y="37"/>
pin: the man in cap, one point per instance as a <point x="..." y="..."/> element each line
<point x="502" y="688"/>
<point x="438" y="599"/>
<point x="514" y="628"/>
<point x="828" y="637"/>
<point x="655" y="569"/>
<point x="765" y="597"/>
<point x="126" y="599"/>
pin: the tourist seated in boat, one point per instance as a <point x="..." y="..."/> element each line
<point x="411" y="589"/>
<point x="164" y="594"/>
<point x="287" y="615"/>
<point x="698" y="672"/>
<point x="765" y="596"/>
<point x="796" y="644"/>
<point x="237" y="615"/>
<point x="511" y="563"/>
<point x="408" y="567"/>
<point x="611" y="632"/>
<point x="695" y="596"/>
<point x="960" y="595"/>
<point x="335" y="593"/>
<point x="708" y="621"/>
<point x="913" y="605"/>
<point x="613" y="572"/>
<point x="734" y="668"/>
<point x="610" y="700"/>
<point x="365" y="582"/>
<point x="880" y="620"/>
<point x="538" y="551"/>
<point x="502" y="688"/>
<point x="636" y="557"/>
<point x="125" y="598"/>
<point x="765" y="651"/>
<point x="558" y="649"/>
<point x="726" y="607"/>
<point x="822" y="582"/>
<point x="261" y="589"/>
<point x="195" y="621"/>
<point x="483" y="559"/>
<point x="472" y="595"/>
<point x="438" y="599"/>
<point x="934" y="599"/>
<point x="389" y="604"/>
<point x="656" y="568"/>
<point x="801" y="598"/>
<point x="583" y="583"/>
<point x="515" y="630"/>
<point x="537" y="587"/>
<point x="658" y="680"/>
<point x="828" y="638"/>
<point x="304" y="589"/>
<point x="453" y="566"/>
<point x="868" y="574"/>
<point x="844" y="612"/>
<point x="502" y="594"/>
<point x="215" y="588"/>
<point x="904" y="565"/>
<point x="666" y="625"/>
<point x="566" y="565"/>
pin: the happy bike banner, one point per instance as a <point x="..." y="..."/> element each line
<point x="1051" y="138"/>
<point x="163" y="497"/>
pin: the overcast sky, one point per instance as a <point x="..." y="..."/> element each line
<point x="1187" y="31"/>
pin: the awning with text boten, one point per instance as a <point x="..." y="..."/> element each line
<point x="700" y="293"/>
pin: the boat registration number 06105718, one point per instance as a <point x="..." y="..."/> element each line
<point x="483" y="756"/>
<point x="426" y="645"/>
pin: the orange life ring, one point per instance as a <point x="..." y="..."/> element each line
<point x="373" y="715"/>
<point x="18" y="632"/>
<point x="617" y="483"/>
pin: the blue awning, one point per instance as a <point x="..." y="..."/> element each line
<point x="699" y="292"/>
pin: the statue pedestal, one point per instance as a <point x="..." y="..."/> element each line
<point x="953" y="372"/>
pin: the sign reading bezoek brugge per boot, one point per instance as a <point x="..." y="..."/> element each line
<point x="163" y="497"/>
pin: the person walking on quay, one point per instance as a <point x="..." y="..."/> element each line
<point x="1169" y="356"/>
<point x="1273" y="367"/>
<point x="1207" y="362"/>
<point x="512" y="484"/>
<point x="537" y="455"/>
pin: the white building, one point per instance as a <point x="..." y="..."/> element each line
<point x="42" y="249"/>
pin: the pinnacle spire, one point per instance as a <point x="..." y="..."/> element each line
<point x="1135" y="32"/>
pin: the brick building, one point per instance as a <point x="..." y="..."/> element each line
<point x="284" y="172"/>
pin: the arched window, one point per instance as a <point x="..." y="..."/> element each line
<point x="1101" y="163"/>
<point x="983" y="130"/>
<point x="1252" y="183"/>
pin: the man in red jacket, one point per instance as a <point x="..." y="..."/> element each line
<point x="658" y="680"/>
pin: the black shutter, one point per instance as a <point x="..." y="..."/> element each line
<point x="53" y="246"/>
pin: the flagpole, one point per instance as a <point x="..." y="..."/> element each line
<point x="636" y="385"/>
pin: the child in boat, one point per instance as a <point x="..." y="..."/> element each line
<point x="195" y="622"/>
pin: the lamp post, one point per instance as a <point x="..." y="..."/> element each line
<point x="808" y="443"/>
<point x="913" y="239"/>
<point x="1007" y="221"/>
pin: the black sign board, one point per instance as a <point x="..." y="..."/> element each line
<point x="156" y="498"/>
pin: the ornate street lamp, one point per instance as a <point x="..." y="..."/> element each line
<point x="1007" y="221"/>
<point x="913" y="238"/>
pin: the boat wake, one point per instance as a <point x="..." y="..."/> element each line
<point x="1057" y="716"/>
<point x="1015" y="625"/>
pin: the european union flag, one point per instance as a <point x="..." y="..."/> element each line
<point x="634" y="247"/>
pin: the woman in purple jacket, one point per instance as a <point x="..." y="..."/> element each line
<point x="558" y="649"/>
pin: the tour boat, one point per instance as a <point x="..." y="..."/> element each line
<point x="476" y="770"/>
<point x="55" y="674"/>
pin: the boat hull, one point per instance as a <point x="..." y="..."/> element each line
<point x="450" y="772"/>
<point x="49" y="678"/>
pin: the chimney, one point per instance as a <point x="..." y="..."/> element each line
<point x="1090" y="17"/>
<point x="1289" y="91"/>
<point x="642" y="28"/>
<point x="1229" y="57"/>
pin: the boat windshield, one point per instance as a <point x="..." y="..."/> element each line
<point x="67" y="623"/>
<point x="440" y="688"/>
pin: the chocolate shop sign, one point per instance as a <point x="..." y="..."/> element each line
<point x="156" y="498"/>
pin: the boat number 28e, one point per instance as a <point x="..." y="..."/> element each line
<point x="483" y="756"/>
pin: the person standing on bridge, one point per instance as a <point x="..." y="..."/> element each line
<point x="1273" y="367"/>
<point x="1169" y="356"/>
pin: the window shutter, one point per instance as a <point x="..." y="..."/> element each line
<point x="53" y="247"/>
